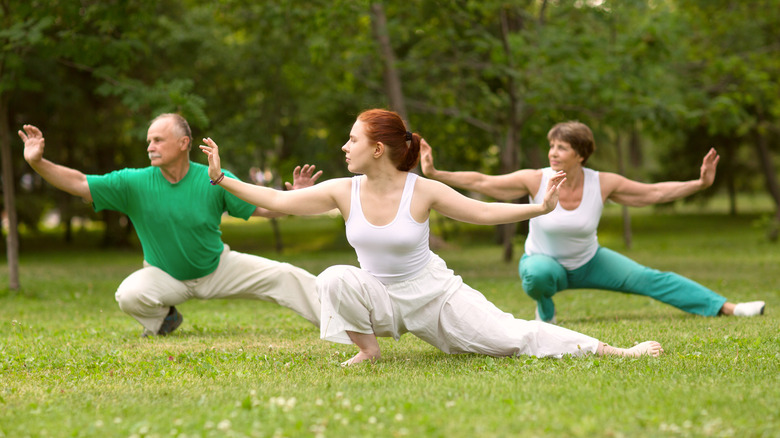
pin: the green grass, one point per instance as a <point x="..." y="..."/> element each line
<point x="72" y="364"/>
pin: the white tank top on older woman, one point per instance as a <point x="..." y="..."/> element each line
<point x="569" y="236"/>
<point x="394" y="252"/>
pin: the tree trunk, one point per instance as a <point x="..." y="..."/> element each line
<point x="392" y="78"/>
<point x="278" y="184"/>
<point x="765" y="158"/>
<point x="66" y="215"/>
<point x="627" y="235"/>
<point x="508" y="164"/>
<point x="727" y="162"/>
<point x="509" y="153"/>
<point x="9" y="197"/>
<point x="278" y="246"/>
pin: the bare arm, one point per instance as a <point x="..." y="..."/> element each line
<point x="452" y="204"/>
<point x="504" y="187"/>
<point x="64" y="178"/>
<point x="311" y="200"/>
<point x="635" y="194"/>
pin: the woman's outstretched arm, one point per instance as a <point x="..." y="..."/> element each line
<point x="503" y="187"/>
<point x="450" y="203"/>
<point x="636" y="194"/>
<point x="311" y="200"/>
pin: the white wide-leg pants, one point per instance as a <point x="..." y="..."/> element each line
<point x="440" y="309"/>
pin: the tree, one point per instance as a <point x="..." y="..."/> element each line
<point x="18" y="34"/>
<point x="730" y="69"/>
<point x="504" y="73"/>
<point x="101" y="51"/>
<point x="392" y="78"/>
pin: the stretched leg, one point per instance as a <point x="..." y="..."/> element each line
<point x="612" y="271"/>
<point x="247" y="276"/>
<point x="479" y="327"/>
<point x="542" y="277"/>
<point x="476" y="325"/>
<point x="148" y="294"/>
<point x="469" y="323"/>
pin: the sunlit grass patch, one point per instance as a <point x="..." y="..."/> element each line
<point x="72" y="364"/>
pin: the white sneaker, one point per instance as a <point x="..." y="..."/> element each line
<point x="552" y="321"/>
<point x="752" y="308"/>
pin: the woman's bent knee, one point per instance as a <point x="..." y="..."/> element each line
<point x="540" y="276"/>
<point x="334" y="279"/>
<point x="532" y="289"/>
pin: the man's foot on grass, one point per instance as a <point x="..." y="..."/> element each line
<point x="171" y="322"/>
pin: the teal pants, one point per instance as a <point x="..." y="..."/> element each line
<point x="543" y="277"/>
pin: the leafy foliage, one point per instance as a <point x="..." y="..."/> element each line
<point x="278" y="84"/>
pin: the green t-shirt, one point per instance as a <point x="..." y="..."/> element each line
<point x="177" y="224"/>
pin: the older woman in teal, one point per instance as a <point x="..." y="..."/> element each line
<point x="562" y="250"/>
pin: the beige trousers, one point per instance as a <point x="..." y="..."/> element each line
<point x="440" y="309"/>
<point x="148" y="293"/>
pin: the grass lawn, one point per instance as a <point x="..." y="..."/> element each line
<point x="72" y="364"/>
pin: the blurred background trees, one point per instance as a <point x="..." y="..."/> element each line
<point x="280" y="83"/>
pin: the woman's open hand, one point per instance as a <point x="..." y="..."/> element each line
<point x="553" y="186"/>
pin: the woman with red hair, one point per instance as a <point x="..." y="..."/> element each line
<point x="401" y="285"/>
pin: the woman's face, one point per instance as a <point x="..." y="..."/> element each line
<point x="358" y="149"/>
<point x="562" y="156"/>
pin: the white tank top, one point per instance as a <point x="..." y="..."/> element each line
<point x="394" y="252"/>
<point x="569" y="236"/>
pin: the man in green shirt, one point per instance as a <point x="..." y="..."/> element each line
<point x="177" y="220"/>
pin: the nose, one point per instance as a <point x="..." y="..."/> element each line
<point x="345" y="148"/>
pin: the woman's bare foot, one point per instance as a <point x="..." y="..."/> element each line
<point x="649" y="348"/>
<point x="368" y="345"/>
<point x="360" y="357"/>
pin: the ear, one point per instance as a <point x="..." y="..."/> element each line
<point x="184" y="143"/>
<point x="379" y="149"/>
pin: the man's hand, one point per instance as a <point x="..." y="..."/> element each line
<point x="708" y="166"/>
<point x="33" y="143"/>
<point x="303" y="177"/>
